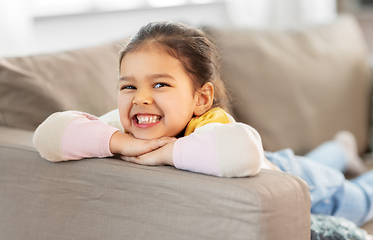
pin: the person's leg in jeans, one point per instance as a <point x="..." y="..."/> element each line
<point x="354" y="199"/>
<point x="330" y="192"/>
<point x="365" y="181"/>
<point x="339" y="153"/>
<point x="349" y="201"/>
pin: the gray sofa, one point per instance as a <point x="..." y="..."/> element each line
<point x="296" y="88"/>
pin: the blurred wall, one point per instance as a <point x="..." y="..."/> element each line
<point x="363" y="14"/>
<point x="16" y="27"/>
<point x="67" y="32"/>
<point x="281" y="14"/>
<point x="22" y="34"/>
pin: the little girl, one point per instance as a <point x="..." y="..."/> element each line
<point x="170" y="112"/>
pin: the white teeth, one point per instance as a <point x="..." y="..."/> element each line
<point x="147" y="119"/>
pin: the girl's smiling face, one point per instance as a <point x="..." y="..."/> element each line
<point x="156" y="97"/>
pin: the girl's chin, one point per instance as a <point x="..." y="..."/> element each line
<point x="150" y="135"/>
<point x="147" y="136"/>
<point x="153" y="136"/>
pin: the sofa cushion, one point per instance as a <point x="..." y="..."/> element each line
<point x="33" y="87"/>
<point x="298" y="88"/>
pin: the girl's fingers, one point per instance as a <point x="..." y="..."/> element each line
<point x="138" y="160"/>
<point x="129" y="159"/>
<point x="157" y="143"/>
<point x="164" y="140"/>
<point x="150" y="159"/>
<point x="148" y="152"/>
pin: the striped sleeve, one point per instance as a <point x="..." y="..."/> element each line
<point x="225" y="150"/>
<point x="73" y="135"/>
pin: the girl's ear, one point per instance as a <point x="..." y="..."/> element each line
<point x="205" y="99"/>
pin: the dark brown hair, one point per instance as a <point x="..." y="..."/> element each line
<point x="190" y="46"/>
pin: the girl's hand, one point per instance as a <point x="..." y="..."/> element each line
<point x="127" y="145"/>
<point x="160" y="156"/>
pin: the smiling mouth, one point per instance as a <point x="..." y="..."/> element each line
<point x="146" y="119"/>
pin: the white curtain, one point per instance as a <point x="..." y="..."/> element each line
<point x="16" y="27"/>
<point x="281" y="14"/>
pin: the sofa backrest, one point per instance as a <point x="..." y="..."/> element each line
<point x="298" y="88"/>
<point x="33" y="87"/>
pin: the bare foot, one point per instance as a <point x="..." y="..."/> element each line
<point x="355" y="165"/>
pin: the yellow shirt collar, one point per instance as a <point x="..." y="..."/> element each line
<point x="214" y="115"/>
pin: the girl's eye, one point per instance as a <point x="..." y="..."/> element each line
<point x="130" y="87"/>
<point x="159" y="85"/>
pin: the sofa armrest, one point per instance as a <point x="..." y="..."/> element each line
<point x="106" y="198"/>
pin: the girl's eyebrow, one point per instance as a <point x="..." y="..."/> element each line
<point x="151" y="77"/>
<point x="160" y="75"/>
<point x="124" y="78"/>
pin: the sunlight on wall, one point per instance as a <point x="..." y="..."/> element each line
<point x="38" y="26"/>
<point x="50" y="8"/>
<point x="165" y="3"/>
<point x="16" y="27"/>
<point x="282" y="14"/>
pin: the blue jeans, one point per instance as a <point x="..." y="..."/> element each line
<point x="331" y="193"/>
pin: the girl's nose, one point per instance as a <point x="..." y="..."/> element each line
<point x="142" y="98"/>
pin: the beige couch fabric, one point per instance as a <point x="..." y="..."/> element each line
<point x="298" y="88"/>
<point x="112" y="199"/>
<point x="32" y="88"/>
